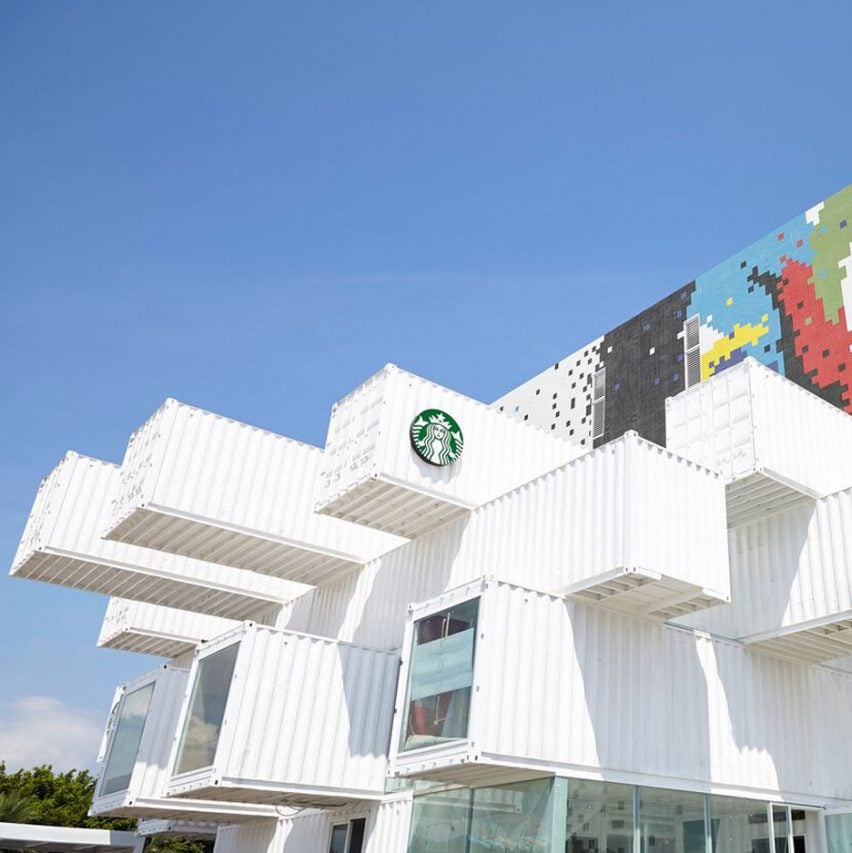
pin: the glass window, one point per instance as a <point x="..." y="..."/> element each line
<point x="838" y="830"/>
<point x="439" y="822"/>
<point x="738" y="825"/>
<point x="125" y="742"/>
<point x="512" y="817"/>
<point x="440" y="677"/>
<point x="599" y="817"/>
<point x="206" y="710"/>
<point x="671" y="821"/>
<point x="348" y="837"/>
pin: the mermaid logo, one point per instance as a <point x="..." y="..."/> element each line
<point x="436" y="437"/>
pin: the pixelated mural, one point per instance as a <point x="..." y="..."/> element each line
<point x="786" y="300"/>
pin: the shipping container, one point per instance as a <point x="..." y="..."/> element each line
<point x="371" y="474"/>
<point x="774" y="443"/>
<point x="296" y="720"/>
<point x="204" y="486"/>
<point x="139" y="738"/>
<point x="791" y="582"/>
<point x="155" y="828"/>
<point x="62" y="544"/>
<point x="152" y="629"/>
<point x="629" y="526"/>
<point x="483" y="697"/>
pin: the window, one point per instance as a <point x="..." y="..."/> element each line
<point x="440" y="677"/>
<point x="206" y="710"/>
<point x="348" y="837"/>
<point x="125" y="742"/>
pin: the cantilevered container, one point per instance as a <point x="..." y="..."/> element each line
<point x="133" y="781"/>
<point x="152" y="629"/>
<point x="207" y="487"/>
<point x="791" y="585"/>
<point x="629" y="527"/>
<point x="305" y="721"/>
<point x="155" y="828"/>
<point x="553" y="689"/>
<point x="775" y="443"/>
<point x="371" y="474"/>
<point x="62" y="544"/>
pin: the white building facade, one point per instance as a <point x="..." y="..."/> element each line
<point x="458" y="628"/>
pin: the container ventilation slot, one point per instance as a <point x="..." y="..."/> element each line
<point x="692" y="350"/>
<point x="598" y="404"/>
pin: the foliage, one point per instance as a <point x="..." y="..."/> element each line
<point x="42" y="796"/>
<point x="16" y="807"/>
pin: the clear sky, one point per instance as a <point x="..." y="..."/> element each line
<point x="253" y="206"/>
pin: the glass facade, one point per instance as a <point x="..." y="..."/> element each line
<point x="516" y="817"/>
<point x="125" y="741"/>
<point x="579" y="816"/>
<point x="838" y="831"/>
<point x="206" y="710"/>
<point x="440" y="677"/>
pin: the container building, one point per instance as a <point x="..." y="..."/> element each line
<point x="610" y="612"/>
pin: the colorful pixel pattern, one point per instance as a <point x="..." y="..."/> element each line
<point x="786" y="301"/>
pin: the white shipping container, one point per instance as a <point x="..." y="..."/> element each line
<point x="774" y="442"/>
<point x="152" y="629"/>
<point x="630" y="526"/>
<point x="371" y="474"/>
<point x="791" y="582"/>
<point x="155" y="828"/>
<point x="306" y="722"/>
<point x="261" y="836"/>
<point x="62" y="544"/>
<point x="555" y="687"/>
<point x="204" y="486"/>
<point x="144" y="794"/>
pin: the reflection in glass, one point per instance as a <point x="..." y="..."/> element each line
<point x="512" y="817"/>
<point x="338" y="838"/>
<point x="600" y="817"/>
<point x="739" y="826"/>
<point x="671" y="821"/>
<point x="125" y="742"/>
<point x="838" y="830"/>
<point x="439" y="822"/>
<point x="440" y="677"/>
<point x="206" y="710"/>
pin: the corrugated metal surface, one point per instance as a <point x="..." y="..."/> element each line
<point x="628" y="505"/>
<point x="178" y="828"/>
<point x="649" y="702"/>
<point x="368" y="451"/>
<point x="134" y="626"/>
<point x="750" y="423"/>
<point x="788" y="572"/>
<point x="388" y="826"/>
<point x="314" y="734"/>
<point x="201" y="485"/>
<point x="261" y="836"/>
<point x="62" y="545"/>
<point x="146" y="793"/>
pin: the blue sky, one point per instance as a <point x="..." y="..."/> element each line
<point x="253" y="206"/>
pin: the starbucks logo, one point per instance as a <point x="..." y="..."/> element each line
<point x="436" y="437"/>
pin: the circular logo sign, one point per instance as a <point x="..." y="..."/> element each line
<point x="436" y="437"/>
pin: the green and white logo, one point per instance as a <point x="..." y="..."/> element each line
<point x="436" y="437"/>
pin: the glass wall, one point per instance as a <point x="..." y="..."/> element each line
<point x="440" y="677"/>
<point x="599" y="817"/>
<point x="206" y="710"/>
<point x="125" y="741"/>
<point x="516" y="817"/>
<point x="838" y="830"/>
<point x="604" y="817"/>
<point x="671" y="821"/>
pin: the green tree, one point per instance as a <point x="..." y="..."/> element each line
<point x="42" y="796"/>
